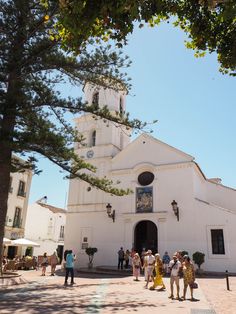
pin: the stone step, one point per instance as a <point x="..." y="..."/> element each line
<point x="107" y="270"/>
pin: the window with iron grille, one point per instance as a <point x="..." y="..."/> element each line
<point x="94" y="138"/>
<point x="62" y="232"/>
<point x="95" y="100"/>
<point x="121" y="106"/>
<point x="17" y="218"/>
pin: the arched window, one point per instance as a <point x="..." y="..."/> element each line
<point x="121" y="106"/>
<point x="93" y="138"/>
<point x="95" y="100"/>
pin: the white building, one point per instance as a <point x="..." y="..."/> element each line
<point x="45" y="225"/>
<point x="158" y="174"/>
<point x="19" y="188"/>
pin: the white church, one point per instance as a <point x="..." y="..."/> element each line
<point x="173" y="205"/>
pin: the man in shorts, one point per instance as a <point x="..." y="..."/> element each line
<point x="150" y="262"/>
<point x="174" y="267"/>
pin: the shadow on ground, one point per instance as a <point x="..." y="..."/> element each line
<point x="53" y="298"/>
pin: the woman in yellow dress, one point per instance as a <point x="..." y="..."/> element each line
<point x="158" y="281"/>
<point x="189" y="276"/>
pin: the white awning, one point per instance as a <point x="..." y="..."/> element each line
<point x="6" y="241"/>
<point x="24" y="242"/>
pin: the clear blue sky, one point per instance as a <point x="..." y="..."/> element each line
<point x="194" y="104"/>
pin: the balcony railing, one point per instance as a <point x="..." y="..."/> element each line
<point x="17" y="224"/>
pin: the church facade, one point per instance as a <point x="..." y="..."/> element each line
<point x="173" y="205"/>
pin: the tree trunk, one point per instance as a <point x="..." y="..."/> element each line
<point x="9" y="112"/>
<point x="5" y="170"/>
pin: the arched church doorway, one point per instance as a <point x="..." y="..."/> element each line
<point x="145" y="236"/>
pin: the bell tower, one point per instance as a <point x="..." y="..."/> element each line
<point x="103" y="138"/>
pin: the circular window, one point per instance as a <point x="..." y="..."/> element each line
<point x="145" y="178"/>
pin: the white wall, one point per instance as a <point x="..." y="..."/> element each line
<point x="14" y="201"/>
<point x="43" y="227"/>
<point x="202" y="205"/>
<point x="190" y="233"/>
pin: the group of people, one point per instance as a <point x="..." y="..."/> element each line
<point x="155" y="267"/>
<point x="68" y="264"/>
<point x="124" y="257"/>
<point x="25" y="262"/>
<point x="53" y="260"/>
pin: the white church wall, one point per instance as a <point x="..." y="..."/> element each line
<point x="199" y="184"/>
<point x="207" y="218"/>
<point x="221" y="195"/>
<point x="189" y="233"/>
<point x="127" y="205"/>
<point x="203" y="206"/>
<point x="81" y="193"/>
<point x="102" y="234"/>
<point x="173" y="183"/>
<point x="158" y="154"/>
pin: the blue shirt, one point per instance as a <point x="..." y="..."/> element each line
<point x="69" y="260"/>
<point x="166" y="259"/>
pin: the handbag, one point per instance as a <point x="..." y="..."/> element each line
<point x="194" y="285"/>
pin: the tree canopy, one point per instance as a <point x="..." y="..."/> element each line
<point x="209" y="24"/>
<point x="32" y="110"/>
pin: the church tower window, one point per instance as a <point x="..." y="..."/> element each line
<point x="93" y="142"/>
<point x="95" y="100"/>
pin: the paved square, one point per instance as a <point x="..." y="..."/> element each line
<point x="94" y="295"/>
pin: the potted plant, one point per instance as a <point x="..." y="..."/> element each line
<point x="199" y="259"/>
<point x="90" y="251"/>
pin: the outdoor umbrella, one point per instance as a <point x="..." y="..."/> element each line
<point x="24" y="242"/>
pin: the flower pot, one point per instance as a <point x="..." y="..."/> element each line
<point x="199" y="271"/>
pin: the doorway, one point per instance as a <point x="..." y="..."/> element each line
<point x="60" y="250"/>
<point x="145" y="236"/>
<point x="11" y="253"/>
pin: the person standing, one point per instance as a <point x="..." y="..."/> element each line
<point x="150" y="262"/>
<point x="166" y="261"/>
<point x="144" y="265"/>
<point x="53" y="262"/>
<point x="126" y="257"/>
<point x="174" y="267"/>
<point x="143" y="254"/>
<point x="158" y="281"/>
<point x="136" y="262"/>
<point x="121" y="255"/>
<point x="132" y="252"/>
<point x="44" y="264"/>
<point x="189" y="276"/>
<point x="70" y="258"/>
